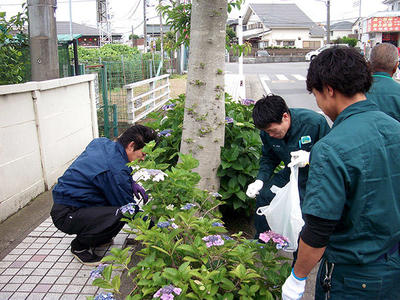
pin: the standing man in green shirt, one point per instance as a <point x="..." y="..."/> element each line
<point x="385" y="91"/>
<point x="282" y="131"/>
<point x="352" y="202"/>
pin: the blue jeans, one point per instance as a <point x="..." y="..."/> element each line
<point x="379" y="280"/>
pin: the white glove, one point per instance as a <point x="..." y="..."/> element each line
<point x="254" y="188"/>
<point x="293" y="288"/>
<point x="300" y="158"/>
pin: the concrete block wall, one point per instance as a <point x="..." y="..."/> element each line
<point x="44" y="126"/>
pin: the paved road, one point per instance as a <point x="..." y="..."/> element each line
<point x="285" y="79"/>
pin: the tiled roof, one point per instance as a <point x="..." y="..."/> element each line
<point x="63" y="28"/>
<point x="281" y="15"/>
<point x="344" y="25"/>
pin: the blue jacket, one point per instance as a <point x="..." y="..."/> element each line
<point x="98" y="177"/>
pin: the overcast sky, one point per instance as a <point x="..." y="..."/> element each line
<point x="128" y="13"/>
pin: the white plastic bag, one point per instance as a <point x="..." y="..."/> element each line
<point x="283" y="214"/>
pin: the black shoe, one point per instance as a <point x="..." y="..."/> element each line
<point x="87" y="257"/>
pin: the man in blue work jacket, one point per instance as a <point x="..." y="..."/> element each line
<point x="282" y="131"/>
<point x="352" y="203"/>
<point x="88" y="197"/>
<point x="385" y="91"/>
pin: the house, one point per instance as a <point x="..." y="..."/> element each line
<point x="340" y="29"/>
<point x="282" y="25"/>
<point x="90" y="36"/>
<point x="393" y="5"/>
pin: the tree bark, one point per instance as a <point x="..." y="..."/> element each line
<point x="204" y="119"/>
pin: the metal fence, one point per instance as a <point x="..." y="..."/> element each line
<point x="113" y="76"/>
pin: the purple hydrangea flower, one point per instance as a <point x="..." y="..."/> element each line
<point x="96" y="273"/>
<point x="188" y="206"/>
<point x="163" y="224"/>
<point x="248" y="102"/>
<point x="213" y="240"/>
<point x="217" y="224"/>
<point x="130" y="208"/>
<point x="168" y="106"/>
<point x="167" y="292"/>
<point x="165" y="132"/>
<point x="228" y="120"/>
<point x="280" y="241"/>
<point x="104" y="296"/>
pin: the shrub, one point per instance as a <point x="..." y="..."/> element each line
<point x="239" y="157"/>
<point x="188" y="254"/>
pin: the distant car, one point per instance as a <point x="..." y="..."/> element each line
<point x="312" y="54"/>
<point x="262" y="53"/>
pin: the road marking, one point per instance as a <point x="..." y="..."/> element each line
<point x="281" y="77"/>
<point x="263" y="79"/>
<point x="298" y="77"/>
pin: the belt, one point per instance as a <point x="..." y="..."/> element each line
<point x="391" y="251"/>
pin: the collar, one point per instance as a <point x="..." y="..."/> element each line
<point x="382" y="75"/>
<point x="293" y="122"/>
<point x="355" y="108"/>
<point x="121" y="150"/>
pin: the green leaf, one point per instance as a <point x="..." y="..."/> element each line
<point x="242" y="180"/>
<point x="100" y="282"/>
<point x="116" y="282"/>
<point x="107" y="272"/>
<point x="160" y="249"/>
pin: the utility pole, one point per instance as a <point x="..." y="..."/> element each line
<point x="328" y="21"/>
<point x="144" y="26"/>
<point x="43" y="39"/>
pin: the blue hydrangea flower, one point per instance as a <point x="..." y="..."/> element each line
<point x="130" y="208"/>
<point x="96" y="273"/>
<point x="228" y="120"/>
<point x="166" y="132"/>
<point x="163" y="224"/>
<point x="104" y="296"/>
<point x="217" y="224"/>
<point x="188" y="206"/>
<point x="227" y="237"/>
<point x="168" y="106"/>
<point x="248" y="102"/>
<point x="167" y="292"/>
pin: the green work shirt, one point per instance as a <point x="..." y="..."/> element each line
<point x="385" y="93"/>
<point x="354" y="178"/>
<point x="306" y="124"/>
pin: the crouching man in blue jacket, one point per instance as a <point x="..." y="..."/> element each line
<point x="88" y="196"/>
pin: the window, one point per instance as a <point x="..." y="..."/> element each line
<point x="311" y="44"/>
<point x="288" y="43"/>
<point x="263" y="44"/>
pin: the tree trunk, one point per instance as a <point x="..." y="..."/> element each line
<point x="204" y="120"/>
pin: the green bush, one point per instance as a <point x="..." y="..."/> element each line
<point x="188" y="254"/>
<point x="239" y="157"/>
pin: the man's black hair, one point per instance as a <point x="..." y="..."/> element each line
<point x="138" y="134"/>
<point x="342" y="68"/>
<point x="269" y="109"/>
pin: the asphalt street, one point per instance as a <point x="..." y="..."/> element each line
<point x="285" y="79"/>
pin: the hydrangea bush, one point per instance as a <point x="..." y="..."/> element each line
<point x="239" y="157"/>
<point x="188" y="253"/>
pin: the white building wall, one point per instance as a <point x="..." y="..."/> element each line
<point x="44" y="126"/>
<point x="290" y="34"/>
<point x="335" y="34"/>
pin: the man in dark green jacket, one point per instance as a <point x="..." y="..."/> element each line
<point x="385" y="91"/>
<point x="282" y="131"/>
<point x="352" y="206"/>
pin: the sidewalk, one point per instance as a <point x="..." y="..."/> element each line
<point x="40" y="265"/>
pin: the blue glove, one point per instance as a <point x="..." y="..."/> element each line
<point x="139" y="192"/>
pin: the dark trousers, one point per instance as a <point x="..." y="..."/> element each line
<point x="374" y="281"/>
<point x="93" y="226"/>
